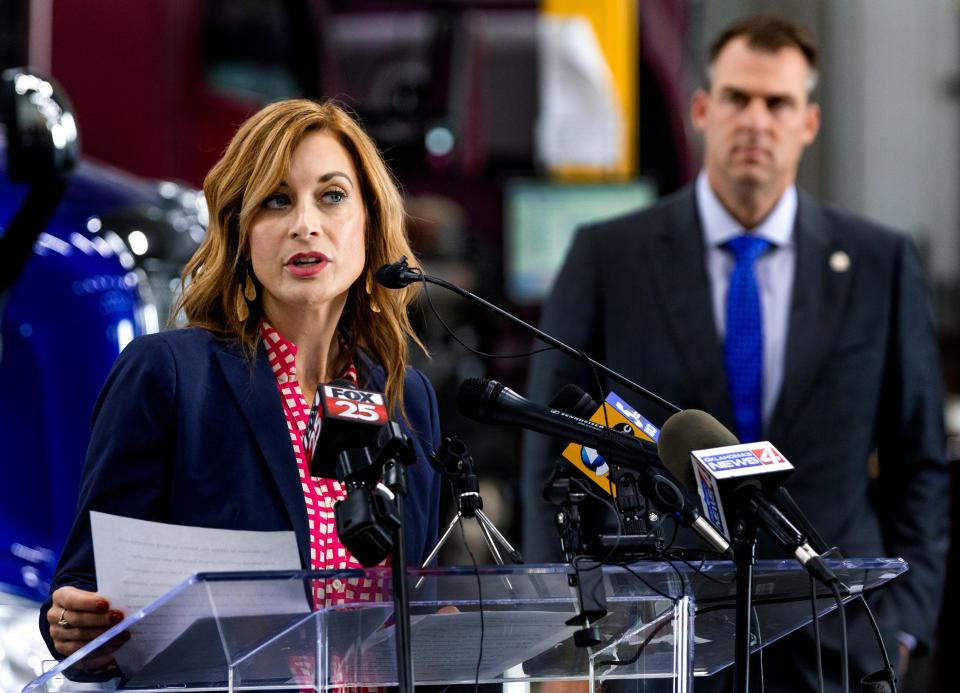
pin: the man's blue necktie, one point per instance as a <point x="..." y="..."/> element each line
<point x="743" y="349"/>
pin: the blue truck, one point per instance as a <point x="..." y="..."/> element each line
<point x="89" y="258"/>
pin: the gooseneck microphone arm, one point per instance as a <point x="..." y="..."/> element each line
<point x="399" y="274"/>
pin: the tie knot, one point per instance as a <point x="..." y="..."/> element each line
<point x="747" y="248"/>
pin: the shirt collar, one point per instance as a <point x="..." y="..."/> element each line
<point x="282" y="353"/>
<point x="719" y="226"/>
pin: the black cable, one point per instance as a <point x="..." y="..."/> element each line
<point x="646" y="641"/>
<point x="673" y="602"/>
<point x="616" y="513"/>
<point x="673" y="538"/>
<point x="883" y="648"/>
<point x="816" y="632"/>
<point x="469" y="348"/>
<point x="698" y="570"/>
<point x="602" y="499"/>
<point x="844" y="650"/>
<point x="683" y="590"/>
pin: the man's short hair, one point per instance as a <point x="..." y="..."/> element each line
<point x="769" y="34"/>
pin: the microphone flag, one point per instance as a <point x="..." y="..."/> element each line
<point x="620" y="416"/>
<point x="342" y="417"/>
<point x="717" y="468"/>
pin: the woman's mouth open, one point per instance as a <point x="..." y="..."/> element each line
<point x="306" y="264"/>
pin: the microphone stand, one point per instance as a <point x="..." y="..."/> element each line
<point x="744" y="559"/>
<point x="453" y="461"/>
<point x="363" y="523"/>
<point x="399" y="274"/>
<point x="395" y="479"/>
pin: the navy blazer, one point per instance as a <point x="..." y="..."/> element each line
<point x="861" y="376"/>
<point x="187" y="430"/>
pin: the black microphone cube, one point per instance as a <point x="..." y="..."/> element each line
<point x="364" y="526"/>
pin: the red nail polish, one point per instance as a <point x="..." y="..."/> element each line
<point x="116" y="616"/>
<point x="102" y="605"/>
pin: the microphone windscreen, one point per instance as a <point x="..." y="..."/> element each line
<point x="574" y="400"/>
<point x="475" y="394"/>
<point x="387" y="276"/>
<point x="688" y="430"/>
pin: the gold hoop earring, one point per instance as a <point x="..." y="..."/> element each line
<point x="249" y="289"/>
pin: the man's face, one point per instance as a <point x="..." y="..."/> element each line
<point x="756" y="118"/>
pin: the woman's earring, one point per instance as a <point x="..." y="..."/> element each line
<point x="373" y="303"/>
<point x="249" y="288"/>
<point x="243" y="310"/>
<point x="247" y="294"/>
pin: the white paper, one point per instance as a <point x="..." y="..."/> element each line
<point x="510" y="637"/>
<point x="580" y="121"/>
<point x="139" y="561"/>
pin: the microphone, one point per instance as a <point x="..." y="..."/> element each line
<point x="341" y="418"/>
<point x="397" y="275"/>
<point x="488" y="401"/>
<point x="616" y="414"/>
<point x="634" y="507"/>
<point x="704" y="455"/>
<point x="574" y="400"/>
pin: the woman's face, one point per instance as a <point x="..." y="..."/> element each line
<point x="307" y="240"/>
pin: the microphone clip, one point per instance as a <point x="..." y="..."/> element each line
<point x="397" y="275"/>
<point x="365" y="520"/>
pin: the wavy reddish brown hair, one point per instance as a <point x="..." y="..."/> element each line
<point x="251" y="168"/>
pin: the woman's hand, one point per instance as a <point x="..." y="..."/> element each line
<point x="77" y="617"/>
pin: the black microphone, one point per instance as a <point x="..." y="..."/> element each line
<point x="397" y="275"/>
<point x="573" y="399"/>
<point x="692" y="429"/>
<point x="488" y="401"/>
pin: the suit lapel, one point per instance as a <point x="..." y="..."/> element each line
<point x="255" y="392"/>
<point x="679" y="273"/>
<point x="819" y="297"/>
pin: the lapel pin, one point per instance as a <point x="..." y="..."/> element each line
<point x="839" y="261"/>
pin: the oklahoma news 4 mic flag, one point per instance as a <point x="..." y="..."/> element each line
<point x="620" y="416"/>
<point x="717" y="469"/>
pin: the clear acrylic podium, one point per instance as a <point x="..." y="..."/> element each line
<point x="666" y="622"/>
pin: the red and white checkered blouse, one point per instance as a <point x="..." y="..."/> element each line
<point x="319" y="494"/>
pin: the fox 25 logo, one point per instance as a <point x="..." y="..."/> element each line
<point x="343" y="403"/>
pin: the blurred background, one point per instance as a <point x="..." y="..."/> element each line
<point x="507" y="123"/>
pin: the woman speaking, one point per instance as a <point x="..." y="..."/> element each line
<point x="204" y="426"/>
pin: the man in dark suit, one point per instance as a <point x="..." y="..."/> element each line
<point x="789" y="321"/>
